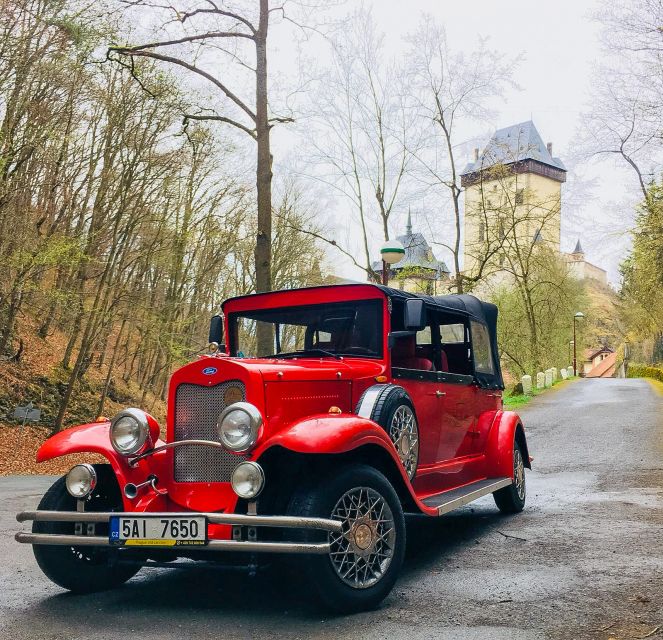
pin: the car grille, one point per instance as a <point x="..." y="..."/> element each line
<point x="197" y="409"/>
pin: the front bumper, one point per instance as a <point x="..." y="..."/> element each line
<point x="234" y="519"/>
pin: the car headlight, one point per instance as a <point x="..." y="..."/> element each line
<point x="238" y="426"/>
<point x="81" y="481"/>
<point x="247" y="480"/>
<point x="129" y="431"/>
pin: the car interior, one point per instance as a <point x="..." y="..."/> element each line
<point x="443" y="345"/>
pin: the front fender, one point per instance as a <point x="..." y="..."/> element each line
<point x="94" y="438"/>
<point x="85" y="438"/>
<point x="338" y="434"/>
<point x="506" y="430"/>
<point x="330" y="433"/>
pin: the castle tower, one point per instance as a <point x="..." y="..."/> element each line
<point x="512" y="196"/>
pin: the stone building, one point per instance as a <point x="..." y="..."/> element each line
<point x="419" y="271"/>
<point x="514" y="187"/>
<point x="582" y="269"/>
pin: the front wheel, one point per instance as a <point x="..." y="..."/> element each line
<point x="511" y="499"/>
<point x="366" y="556"/>
<point x="81" y="569"/>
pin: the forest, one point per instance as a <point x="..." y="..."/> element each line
<point x="132" y="205"/>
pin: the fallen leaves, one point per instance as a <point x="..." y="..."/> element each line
<point x="18" y="452"/>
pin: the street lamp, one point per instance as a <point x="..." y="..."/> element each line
<point x="391" y="252"/>
<point x="578" y="316"/>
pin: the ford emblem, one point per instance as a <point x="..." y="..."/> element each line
<point x="209" y="371"/>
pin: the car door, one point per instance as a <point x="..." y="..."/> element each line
<point x="487" y="401"/>
<point x="413" y="370"/>
<point x="457" y="432"/>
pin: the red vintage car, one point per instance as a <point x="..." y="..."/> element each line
<point x="327" y="414"/>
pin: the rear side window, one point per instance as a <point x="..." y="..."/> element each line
<point x="483" y="358"/>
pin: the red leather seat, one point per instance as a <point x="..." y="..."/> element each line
<point x="403" y="355"/>
<point x="445" y="361"/>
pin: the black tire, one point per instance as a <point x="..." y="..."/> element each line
<point x="321" y="572"/>
<point x="511" y="499"/>
<point x="388" y="402"/>
<point x="81" y="569"/>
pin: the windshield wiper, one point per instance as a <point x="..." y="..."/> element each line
<point x="304" y="352"/>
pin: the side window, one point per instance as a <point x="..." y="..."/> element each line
<point x="483" y="359"/>
<point x="424" y="337"/>
<point x="452" y="333"/>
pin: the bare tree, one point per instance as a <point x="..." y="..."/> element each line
<point x="451" y="88"/>
<point x="225" y="29"/>
<point x="626" y="106"/>
<point x="360" y="131"/>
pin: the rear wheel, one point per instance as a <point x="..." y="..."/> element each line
<point x="366" y="556"/>
<point x="81" y="569"/>
<point x="511" y="499"/>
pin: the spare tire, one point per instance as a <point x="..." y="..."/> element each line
<point x="390" y="406"/>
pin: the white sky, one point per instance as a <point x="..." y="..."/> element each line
<point x="559" y="44"/>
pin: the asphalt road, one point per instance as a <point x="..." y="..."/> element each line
<point x="584" y="560"/>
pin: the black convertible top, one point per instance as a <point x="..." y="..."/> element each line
<point x="475" y="309"/>
<point x="465" y="304"/>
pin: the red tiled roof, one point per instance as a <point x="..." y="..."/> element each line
<point x="605" y="368"/>
<point x="590" y="354"/>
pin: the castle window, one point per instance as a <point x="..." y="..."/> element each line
<point x="482" y="231"/>
<point x="501" y="230"/>
<point x="520" y="196"/>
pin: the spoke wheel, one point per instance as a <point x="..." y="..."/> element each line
<point x="404" y="434"/>
<point x="519" y="473"/>
<point x="511" y="499"/>
<point x="365" y="557"/>
<point x="362" y="552"/>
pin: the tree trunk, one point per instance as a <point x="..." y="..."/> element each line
<point x="263" y="250"/>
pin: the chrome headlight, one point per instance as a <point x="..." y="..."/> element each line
<point x="247" y="480"/>
<point x="129" y="431"/>
<point x="238" y="426"/>
<point x="81" y="481"/>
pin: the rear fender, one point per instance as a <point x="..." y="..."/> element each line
<point x="339" y="435"/>
<point x="507" y="429"/>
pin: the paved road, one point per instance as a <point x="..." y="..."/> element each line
<point x="585" y="559"/>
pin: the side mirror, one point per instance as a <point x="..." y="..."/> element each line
<point x="415" y="314"/>
<point x="216" y="330"/>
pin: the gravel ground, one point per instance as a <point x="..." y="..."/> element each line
<point x="584" y="560"/>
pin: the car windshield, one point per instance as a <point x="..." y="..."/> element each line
<point x="351" y="328"/>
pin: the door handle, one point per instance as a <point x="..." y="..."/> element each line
<point x="440" y="394"/>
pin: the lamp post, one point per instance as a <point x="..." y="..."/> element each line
<point x="578" y="316"/>
<point x="391" y="252"/>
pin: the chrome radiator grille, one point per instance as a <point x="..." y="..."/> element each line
<point x="196" y="411"/>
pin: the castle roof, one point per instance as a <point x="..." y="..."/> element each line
<point x="578" y="248"/>
<point x="514" y="144"/>
<point x="418" y="254"/>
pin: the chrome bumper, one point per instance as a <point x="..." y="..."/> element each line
<point x="234" y="519"/>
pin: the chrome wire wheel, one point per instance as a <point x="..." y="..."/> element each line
<point x="519" y="472"/>
<point x="363" y="551"/>
<point x="404" y="434"/>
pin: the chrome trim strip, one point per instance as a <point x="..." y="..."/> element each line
<point x="212" y="545"/>
<point x="471" y="496"/>
<point x="287" y="522"/>
<point x="370" y="398"/>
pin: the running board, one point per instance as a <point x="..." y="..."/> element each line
<point x="450" y="500"/>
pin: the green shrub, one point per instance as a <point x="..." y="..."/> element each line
<point x="644" y="371"/>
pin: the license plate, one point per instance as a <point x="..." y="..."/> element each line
<point x="158" y="531"/>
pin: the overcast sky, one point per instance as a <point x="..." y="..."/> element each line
<point x="559" y="44"/>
